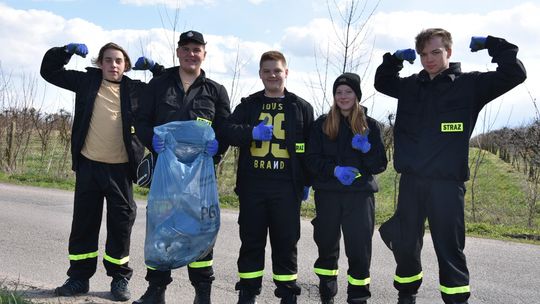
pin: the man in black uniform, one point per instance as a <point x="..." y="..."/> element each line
<point x="183" y="93"/>
<point x="271" y="127"/>
<point x="436" y="114"/>
<point x="105" y="153"/>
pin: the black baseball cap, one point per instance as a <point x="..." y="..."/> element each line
<point x="191" y="36"/>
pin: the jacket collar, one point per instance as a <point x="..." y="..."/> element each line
<point x="451" y="73"/>
<point x="99" y="73"/>
<point x="260" y="94"/>
<point x="176" y="74"/>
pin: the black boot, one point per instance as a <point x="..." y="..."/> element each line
<point x="327" y="300"/>
<point x="154" y="295"/>
<point x="247" y="297"/>
<point x="202" y="293"/>
<point x="120" y="290"/>
<point x="72" y="287"/>
<point x="288" y="299"/>
<point x="407" y="299"/>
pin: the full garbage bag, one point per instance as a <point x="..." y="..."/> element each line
<point x="182" y="215"/>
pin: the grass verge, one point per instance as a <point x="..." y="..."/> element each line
<point x="12" y="296"/>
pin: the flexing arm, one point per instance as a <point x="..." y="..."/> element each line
<point x="387" y="78"/>
<point x="509" y="73"/>
<point x="54" y="72"/>
<point x="144" y="63"/>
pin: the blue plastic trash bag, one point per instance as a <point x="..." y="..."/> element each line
<point x="182" y="216"/>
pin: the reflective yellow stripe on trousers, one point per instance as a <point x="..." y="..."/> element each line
<point x="201" y="264"/>
<point x="455" y="290"/>
<point x="326" y="272"/>
<point x="121" y="261"/>
<point x="357" y="282"/>
<point x="251" y="275"/>
<point x="284" y="277"/>
<point x="406" y="280"/>
<point x="84" y="256"/>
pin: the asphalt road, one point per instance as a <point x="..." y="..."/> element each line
<point x="35" y="223"/>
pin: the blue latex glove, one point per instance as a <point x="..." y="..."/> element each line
<point x="477" y="43"/>
<point x="212" y="147"/>
<point x="143" y="63"/>
<point x="406" y="54"/>
<point x="77" y="48"/>
<point x="345" y="175"/>
<point x="262" y="131"/>
<point x="158" y="144"/>
<point x="361" y="142"/>
<point x="305" y="194"/>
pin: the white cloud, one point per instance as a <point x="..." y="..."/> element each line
<point x="168" y="3"/>
<point x="41" y="30"/>
<point x="256" y="2"/>
<point x="396" y="30"/>
<point x="515" y="25"/>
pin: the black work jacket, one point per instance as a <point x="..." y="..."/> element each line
<point x="435" y="118"/>
<point x="86" y="86"/>
<point x="164" y="100"/>
<point x="324" y="154"/>
<point x="298" y="121"/>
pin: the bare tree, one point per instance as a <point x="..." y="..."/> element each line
<point x="349" y="22"/>
<point x="168" y="21"/>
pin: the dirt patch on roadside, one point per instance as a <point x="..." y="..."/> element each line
<point x="45" y="295"/>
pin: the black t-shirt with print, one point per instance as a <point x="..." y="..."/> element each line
<point x="270" y="159"/>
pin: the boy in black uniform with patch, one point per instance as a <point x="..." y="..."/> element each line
<point x="271" y="127"/>
<point x="436" y="114"/>
<point x="105" y="153"/>
<point x="183" y="93"/>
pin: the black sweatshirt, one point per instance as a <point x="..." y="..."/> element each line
<point x="435" y="118"/>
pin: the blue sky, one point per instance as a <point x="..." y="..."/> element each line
<point x="247" y="28"/>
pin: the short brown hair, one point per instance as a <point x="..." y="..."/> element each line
<point x="112" y="45"/>
<point x="427" y="34"/>
<point x="272" y="55"/>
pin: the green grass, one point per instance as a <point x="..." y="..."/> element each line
<point x="500" y="204"/>
<point x="8" y="296"/>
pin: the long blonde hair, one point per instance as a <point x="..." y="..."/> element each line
<point x="357" y="120"/>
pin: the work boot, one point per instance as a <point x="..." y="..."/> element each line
<point x="288" y="299"/>
<point x="154" y="295"/>
<point x="407" y="299"/>
<point x="72" y="287"/>
<point x="119" y="289"/>
<point x="202" y="293"/>
<point x="247" y="297"/>
<point x="327" y="300"/>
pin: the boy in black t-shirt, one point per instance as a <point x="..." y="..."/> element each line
<point x="271" y="127"/>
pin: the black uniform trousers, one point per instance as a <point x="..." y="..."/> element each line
<point x="271" y="208"/>
<point x="442" y="203"/>
<point x="198" y="272"/>
<point x="94" y="182"/>
<point x="353" y="213"/>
